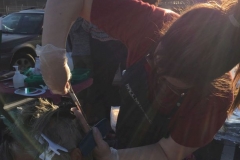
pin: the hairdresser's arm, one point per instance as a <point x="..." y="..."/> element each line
<point x="165" y="149"/>
<point x="58" y="18"/>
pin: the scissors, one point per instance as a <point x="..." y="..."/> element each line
<point x="74" y="98"/>
<point x="77" y="103"/>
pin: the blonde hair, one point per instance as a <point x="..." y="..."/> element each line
<point x="56" y="123"/>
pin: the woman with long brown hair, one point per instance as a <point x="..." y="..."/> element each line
<point x="176" y="90"/>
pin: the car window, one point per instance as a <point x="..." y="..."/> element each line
<point x="21" y="23"/>
<point x="9" y="23"/>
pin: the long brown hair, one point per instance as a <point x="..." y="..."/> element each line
<point x="201" y="45"/>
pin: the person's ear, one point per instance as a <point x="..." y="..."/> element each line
<point x="76" y="154"/>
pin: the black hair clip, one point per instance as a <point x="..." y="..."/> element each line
<point x="64" y="112"/>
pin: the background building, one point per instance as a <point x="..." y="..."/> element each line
<point x="9" y="6"/>
<point x="180" y="5"/>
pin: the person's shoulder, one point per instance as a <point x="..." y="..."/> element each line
<point x="221" y="95"/>
<point x="222" y="86"/>
<point x="167" y="14"/>
<point x="170" y="15"/>
<point x="214" y="97"/>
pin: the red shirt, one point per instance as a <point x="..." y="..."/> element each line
<point x="137" y="24"/>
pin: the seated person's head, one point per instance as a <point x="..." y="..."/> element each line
<point x="57" y="124"/>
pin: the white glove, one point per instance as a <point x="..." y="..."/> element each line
<point x="54" y="68"/>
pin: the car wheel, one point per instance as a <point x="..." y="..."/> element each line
<point x="23" y="61"/>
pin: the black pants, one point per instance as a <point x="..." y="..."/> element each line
<point x="106" y="57"/>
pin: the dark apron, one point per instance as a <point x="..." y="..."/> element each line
<point x="138" y="122"/>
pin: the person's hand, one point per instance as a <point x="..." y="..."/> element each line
<point x="83" y="121"/>
<point x="54" y="68"/>
<point x="102" y="150"/>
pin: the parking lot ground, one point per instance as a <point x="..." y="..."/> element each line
<point x="219" y="150"/>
